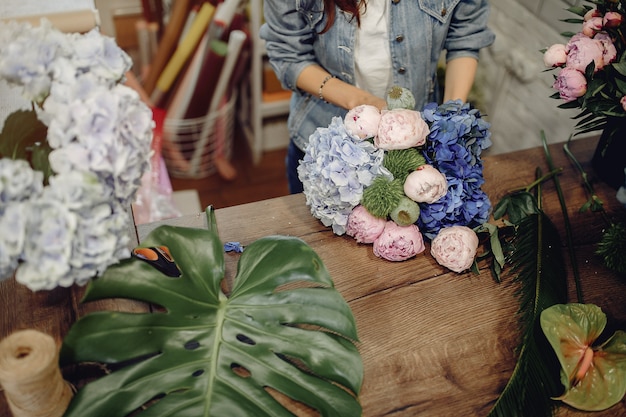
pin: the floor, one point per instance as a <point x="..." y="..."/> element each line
<point x="252" y="182"/>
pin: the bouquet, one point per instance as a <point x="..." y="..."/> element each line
<point x="71" y="166"/>
<point x="395" y="177"/>
<point x="592" y="64"/>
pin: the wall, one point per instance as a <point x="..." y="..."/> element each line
<point x="517" y="93"/>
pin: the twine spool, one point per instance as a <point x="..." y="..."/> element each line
<point x="31" y="377"/>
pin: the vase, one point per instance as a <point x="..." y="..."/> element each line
<point x="609" y="158"/>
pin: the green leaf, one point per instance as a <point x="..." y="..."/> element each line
<point x="516" y="206"/>
<point x="282" y="327"/>
<point x="594" y="378"/>
<point x="24" y="137"/>
<point x="537" y="265"/>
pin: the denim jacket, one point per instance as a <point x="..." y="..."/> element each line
<point x="418" y="31"/>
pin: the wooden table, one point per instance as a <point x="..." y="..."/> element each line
<point x="433" y="342"/>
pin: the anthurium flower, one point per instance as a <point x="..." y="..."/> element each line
<point x="594" y="377"/>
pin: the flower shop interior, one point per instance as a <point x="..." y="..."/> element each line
<point x="234" y="297"/>
<point x="511" y="90"/>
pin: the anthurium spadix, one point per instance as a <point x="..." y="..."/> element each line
<point x="594" y="376"/>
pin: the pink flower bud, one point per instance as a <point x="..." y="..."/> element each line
<point x="362" y="121"/>
<point x="622" y="101"/>
<point x="425" y="185"/>
<point x="455" y="247"/>
<point x="592" y="26"/>
<point x="398" y="243"/>
<point x="612" y="19"/>
<point x="570" y="83"/>
<point x="555" y="56"/>
<point x="363" y="226"/>
<point x="401" y="129"/>
<point x="592" y="13"/>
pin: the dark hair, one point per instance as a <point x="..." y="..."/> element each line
<point x="350" y="6"/>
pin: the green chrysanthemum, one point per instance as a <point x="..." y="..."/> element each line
<point x="400" y="98"/>
<point x="406" y="212"/>
<point x="612" y="247"/>
<point x="382" y="196"/>
<point x="403" y="161"/>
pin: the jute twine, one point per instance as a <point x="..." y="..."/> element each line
<point x="31" y="377"/>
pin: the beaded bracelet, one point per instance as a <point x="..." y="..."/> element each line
<point x="320" y="95"/>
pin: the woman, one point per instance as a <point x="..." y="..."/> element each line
<point x="338" y="54"/>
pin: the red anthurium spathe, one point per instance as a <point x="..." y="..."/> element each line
<point x="594" y="376"/>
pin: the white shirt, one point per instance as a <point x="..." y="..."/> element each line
<point x="372" y="58"/>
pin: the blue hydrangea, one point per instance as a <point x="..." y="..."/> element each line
<point x="458" y="135"/>
<point x="334" y="172"/>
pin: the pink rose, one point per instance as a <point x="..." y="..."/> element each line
<point x="582" y="50"/>
<point x="363" y="226"/>
<point x="592" y="26"/>
<point x="623" y="102"/>
<point x="555" y="56"/>
<point x="398" y="243"/>
<point x="425" y="185"/>
<point x="609" y="52"/>
<point x="612" y="19"/>
<point x="362" y="121"/>
<point x="570" y="83"/>
<point x="401" y="129"/>
<point x="455" y="247"/>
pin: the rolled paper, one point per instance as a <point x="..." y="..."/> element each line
<point x="80" y="21"/>
<point x="31" y="377"/>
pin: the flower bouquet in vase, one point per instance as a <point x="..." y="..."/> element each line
<point x="395" y="177"/>
<point x="592" y="77"/>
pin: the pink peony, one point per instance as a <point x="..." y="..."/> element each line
<point x="555" y="56"/>
<point x="399" y="243"/>
<point x="425" y="185"/>
<point x="622" y="101"/>
<point x="592" y="26"/>
<point x="612" y="19"/>
<point x="582" y="50"/>
<point x="363" y="226"/>
<point x="570" y="83"/>
<point x="455" y="247"/>
<point x="401" y="129"/>
<point x="609" y="52"/>
<point x="362" y="121"/>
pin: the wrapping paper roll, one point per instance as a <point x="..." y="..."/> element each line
<point x="31" y="377"/>
<point x="80" y="21"/>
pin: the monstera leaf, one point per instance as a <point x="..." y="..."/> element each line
<point x="594" y="377"/>
<point x="206" y="352"/>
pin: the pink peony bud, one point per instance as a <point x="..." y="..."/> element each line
<point x="592" y="13"/>
<point x="455" y="247"/>
<point x="425" y="185"/>
<point x="592" y="26"/>
<point x="612" y="19"/>
<point x="362" y="121"/>
<point x="398" y="243"/>
<point x="401" y="129"/>
<point x="582" y="50"/>
<point x="555" y="56"/>
<point x="623" y="102"/>
<point x="570" y="83"/>
<point x="609" y="52"/>
<point x="363" y="226"/>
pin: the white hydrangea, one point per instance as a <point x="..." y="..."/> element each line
<point x="100" y="132"/>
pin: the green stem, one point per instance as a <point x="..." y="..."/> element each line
<point x="568" y="226"/>
<point x="537" y="181"/>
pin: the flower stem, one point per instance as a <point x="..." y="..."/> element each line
<point x="568" y="226"/>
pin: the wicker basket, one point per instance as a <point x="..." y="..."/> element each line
<point x="190" y="146"/>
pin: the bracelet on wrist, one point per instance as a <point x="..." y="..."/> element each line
<point x="319" y="92"/>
